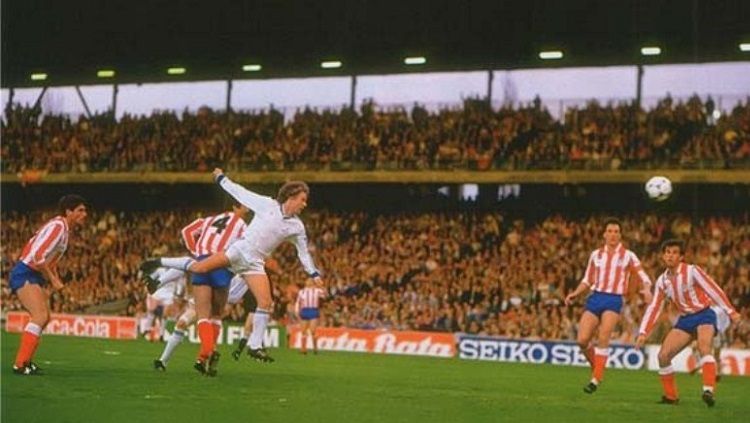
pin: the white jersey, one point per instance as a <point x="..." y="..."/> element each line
<point x="268" y="229"/>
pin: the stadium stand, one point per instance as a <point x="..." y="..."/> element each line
<point x="615" y="136"/>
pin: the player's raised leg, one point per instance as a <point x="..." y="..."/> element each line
<point x="189" y="264"/>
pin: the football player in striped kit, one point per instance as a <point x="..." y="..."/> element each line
<point x="169" y="294"/>
<point x="307" y="308"/>
<point x="607" y="275"/>
<point x="693" y="293"/>
<point x="205" y="237"/>
<point x="37" y="266"/>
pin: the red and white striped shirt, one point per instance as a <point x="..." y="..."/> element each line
<point x="690" y="289"/>
<point x="608" y="271"/>
<point x="309" y="297"/>
<point x="47" y="245"/>
<point x="210" y="235"/>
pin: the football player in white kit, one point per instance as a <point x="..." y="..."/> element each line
<point x="167" y="289"/>
<point x="275" y="221"/>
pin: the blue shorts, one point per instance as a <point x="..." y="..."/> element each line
<point x="689" y="322"/>
<point x="21" y="274"/>
<point x="309" y="313"/>
<point x="599" y="302"/>
<point x="218" y="278"/>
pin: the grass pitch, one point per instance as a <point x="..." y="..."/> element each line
<point x="93" y="380"/>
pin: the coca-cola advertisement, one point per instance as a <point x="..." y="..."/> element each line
<point x="79" y="325"/>
<point x="434" y="344"/>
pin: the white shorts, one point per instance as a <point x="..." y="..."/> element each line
<point x="244" y="261"/>
<point x="166" y="294"/>
<point x="237" y="289"/>
<point x="722" y="323"/>
<point x="722" y="319"/>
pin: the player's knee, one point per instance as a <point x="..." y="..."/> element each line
<point x="704" y="350"/>
<point x="664" y="357"/>
<point x="603" y="342"/>
<point x="583" y="342"/>
<point x="265" y="303"/>
<point x="41" y="318"/>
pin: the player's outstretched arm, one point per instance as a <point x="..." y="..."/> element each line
<point x="303" y="254"/>
<point x="244" y="196"/>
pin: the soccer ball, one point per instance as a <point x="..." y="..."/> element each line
<point x="659" y="188"/>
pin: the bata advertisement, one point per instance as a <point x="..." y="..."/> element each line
<point x="433" y="344"/>
<point x="79" y="325"/>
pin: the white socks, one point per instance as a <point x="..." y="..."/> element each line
<point x="260" y="321"/>
<point x="33" y="328"/>
<point x="181" y="263"/>
<point x="666" y="370"/>
<point x="170" y="275"/>
<point x="172" y="343"/>
<point x="150" y="317"/>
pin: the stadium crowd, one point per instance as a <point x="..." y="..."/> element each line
<point x="474" y="136"/>
<point x="474" y="272"/>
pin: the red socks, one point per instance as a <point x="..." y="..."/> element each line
<point x="666" y="374"/>
<point x="709" y="372"/>
<point x="600" y="362"/>
<point x="29" y="342"/>
<point x="208" y="338"/>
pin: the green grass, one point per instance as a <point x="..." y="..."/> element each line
<point x="94" y="380"/>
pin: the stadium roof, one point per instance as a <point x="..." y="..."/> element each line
<point x="71" y="40"/>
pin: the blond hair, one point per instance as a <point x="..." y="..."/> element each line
<point x="290" y="189"/>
